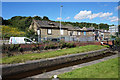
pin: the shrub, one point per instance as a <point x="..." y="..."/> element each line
<point x="117" y="41"/>
<point x="37" y="46"/>
<point x="4" y="47"/>
<point x="45" y="47"/>
<point x="11" y="47"/>
<point x="9" y="54"/>
<point x="20" y="49"/>
<point x="34" y="48"/>
<point x="51" y="46"/>
<point x="70" y="45"/>
<point x="62" y="44"/>
<point x="46" y="41"/>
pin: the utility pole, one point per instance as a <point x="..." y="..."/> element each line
<point x="60" y="19"/>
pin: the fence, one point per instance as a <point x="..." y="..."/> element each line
<point x="72" y="38"/>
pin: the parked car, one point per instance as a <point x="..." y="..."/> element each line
<point x="20" y="40"/>
<point x="55" y="40"/>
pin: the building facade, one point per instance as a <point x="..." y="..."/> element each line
<point x="51" y="29"/>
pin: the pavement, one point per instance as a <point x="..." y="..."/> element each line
<point x="69" y="69"/>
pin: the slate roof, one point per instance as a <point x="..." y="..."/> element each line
<point x="51" y="24"/>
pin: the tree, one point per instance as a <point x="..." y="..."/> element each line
<point x="119" y="29"/>
<point x="45" y="18"/>
<point x="30" y="33"/>
<point x="1" y="20"/>
<point x="37" y="18"/>
<point x="20" y="22"/>
<point x="11" y="31"/>
<point x="104" y="26"/>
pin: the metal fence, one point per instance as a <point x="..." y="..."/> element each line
<point x="71" y="38"/>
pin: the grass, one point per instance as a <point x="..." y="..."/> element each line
<point x="35" y="56"/>
<point x="106" y="69"/>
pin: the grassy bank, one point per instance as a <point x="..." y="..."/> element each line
<point x="106" y="69"/>
<point x="35" y="56"/>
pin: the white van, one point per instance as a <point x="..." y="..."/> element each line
<point x="20" y="40"/>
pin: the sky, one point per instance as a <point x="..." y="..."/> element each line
<point x="93" y="12"/>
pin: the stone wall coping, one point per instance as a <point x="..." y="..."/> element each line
<point x="53" y="58"/>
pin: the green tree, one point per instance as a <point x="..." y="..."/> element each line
<point x="31" y="33"/>
<point x="20" y="22"/>
<point x="11" y="31"/>
<point x="45" y="18"/>
<point x="37" y="18"/>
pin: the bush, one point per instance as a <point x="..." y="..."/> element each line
<point x="9" y="54"/>
<point x="4" y="47"/>
<point x="62" y="44"/>
<point x="117" y="41"/>
<point x="70" y="45"/>
<point x="46" y="47"/>
<point x="34" y="48"/>
<point x="20" y="49"/>
<point x="46" y="41"/>
<point x="51" y="46"/>
<point x="37" y="46"/>
<point x="11" y="47"/>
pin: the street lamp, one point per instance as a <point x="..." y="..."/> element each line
<point x="60" y="19"/>
<point x="38" y="32"/>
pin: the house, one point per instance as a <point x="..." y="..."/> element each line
<point x="104" y="34"/>
<point x="49" y="29"/>
<point x="113" y="29"/>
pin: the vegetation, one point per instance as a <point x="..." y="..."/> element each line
<point x="35" y="56"/>
<point x="19" y="22"/>
<point x="106" y="69"/>
<point x="22" y="22"/>
<point x="87" y="25"/>
<point x="117" y="41"/>
<point x="11" y="31"/>
<point x="31" y="33"/>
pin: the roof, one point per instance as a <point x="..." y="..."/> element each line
<point x="49" y="24"/>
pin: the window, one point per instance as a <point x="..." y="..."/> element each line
<point x="27" y="40"/>
<point x="49" y="31"/>
<point x="84" y="33"/>
<point x="62" y="32"/>
<point x="78" y="33"/>
<point x="73" y="32"/>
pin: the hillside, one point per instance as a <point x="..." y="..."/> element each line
<point x="11" y="31"/>
<point x="22" y="23"/>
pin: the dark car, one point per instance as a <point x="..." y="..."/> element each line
<point x="55" y="39"/>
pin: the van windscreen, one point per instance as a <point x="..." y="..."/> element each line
<point x="27" y="40"/>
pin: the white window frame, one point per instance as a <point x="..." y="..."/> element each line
<point x="78" y="33"/>
<point x="62" y="32"/>
<point x="73" y="32"/>
<point x="49" y="31"/>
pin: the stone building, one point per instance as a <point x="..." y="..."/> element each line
<point x="51" y="29"/>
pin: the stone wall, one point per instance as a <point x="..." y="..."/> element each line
<point x="55" y="33"/>
<point x="31" y="65"/>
